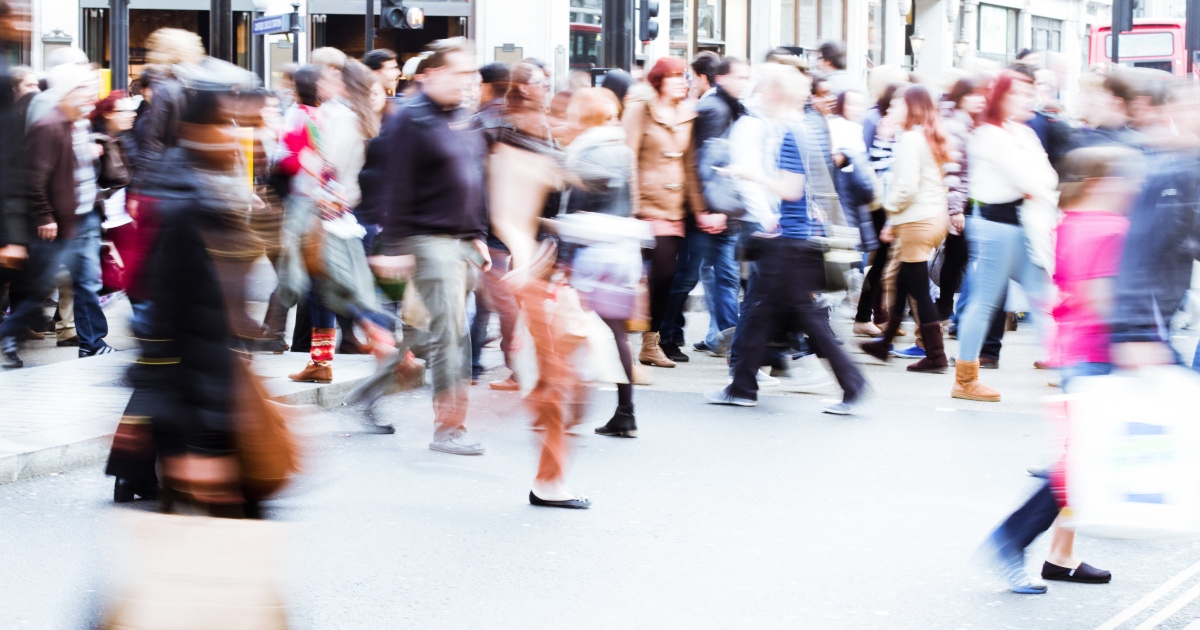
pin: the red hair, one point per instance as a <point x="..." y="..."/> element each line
<point x="922" y="112"/>
<point x="104" y="107"/>
<point x="664" y="67"/>
<point x="994" y="113"/>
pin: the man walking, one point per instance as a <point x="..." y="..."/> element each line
<point x="61" y="179"/>
<point x="436" y="222"/>
<point x="710" y="257"/>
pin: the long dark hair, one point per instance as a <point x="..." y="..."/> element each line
<point x="885" y="100"/>
<point x="307" y="81"/>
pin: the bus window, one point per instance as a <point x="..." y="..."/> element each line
<point x="1143" y="45"/>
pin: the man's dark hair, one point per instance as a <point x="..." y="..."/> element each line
<point x="1023" y="69"/>
<point x="705" y="64"/>
<point x="1025" y="52"/>
<point x="834" y="53"/>
<point x="727" y="64"/>
<point x="439" y="50"/>
<point x="495" y="72"/>
<point x="376" y="58"/>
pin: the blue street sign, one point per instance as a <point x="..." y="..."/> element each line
<point x="271" y="24"/>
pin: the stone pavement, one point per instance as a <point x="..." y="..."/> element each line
<point x="59" y="416"/>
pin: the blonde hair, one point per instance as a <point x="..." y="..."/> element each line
<point x="171" y="46"/>
<point x="784" y="79"/>
<point x="359" y="80"/>
<point x="328" y="57"/>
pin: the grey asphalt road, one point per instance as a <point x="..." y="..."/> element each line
<point x="715" y="517"/>
<point x="773" y="517"/>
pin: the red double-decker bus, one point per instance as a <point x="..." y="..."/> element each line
<point x="1157" y="44"/>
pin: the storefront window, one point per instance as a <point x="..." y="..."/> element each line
<point x="679" y="21"/>
<point x="788" y="15"/>
<point x="808" y="24"/>
<point x="997" y="33"/>
<point x="875" y="33"/>
<point x="710" y="21"/>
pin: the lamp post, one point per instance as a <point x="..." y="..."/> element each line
<point x="917" y="42"/>
<point x="295" y="32"/>
<point x="118" y="43"/>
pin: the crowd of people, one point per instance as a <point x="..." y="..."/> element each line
<point x="404" y="207"/>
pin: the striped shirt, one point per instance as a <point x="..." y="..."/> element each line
<point x="85" y="166"/>
<point x="794" y="221"/>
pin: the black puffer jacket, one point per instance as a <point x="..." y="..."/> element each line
<point x="184" y="377"/>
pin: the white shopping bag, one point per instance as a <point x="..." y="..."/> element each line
<point x="598" y="360"/>
<point x="1133" y="453"/>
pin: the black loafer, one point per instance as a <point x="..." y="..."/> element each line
<point x="578" y="503"/>
<point x="1085" y="574"/>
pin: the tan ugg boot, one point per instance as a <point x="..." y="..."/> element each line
<point x="967" y="385"/>
<point x="652" y="353"/>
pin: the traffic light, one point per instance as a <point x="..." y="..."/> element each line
<point x="1122" y="20"/>
<point x="647" y="25"/>
<point x="395" y="15"/>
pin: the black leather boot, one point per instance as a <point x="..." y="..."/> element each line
<point x="622" y="424"/>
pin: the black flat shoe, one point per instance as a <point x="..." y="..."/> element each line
<point x="578" y="503"/>
<point x="1085" y="574"/>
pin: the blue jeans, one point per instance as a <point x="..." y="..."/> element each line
<point x="711" y="259"/>
<point x="1010" y="539"/>
<point x="81" y="256"/>
<point x="1001" y="255"/>
<point x="1196" y="359"/>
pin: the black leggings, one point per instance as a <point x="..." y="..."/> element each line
<point x="662" y="276"/>
<point x="954" y="264"/>
<point x="872" y="287"/>
<point x="624" y="390"/>
<point x="913" y="280"/>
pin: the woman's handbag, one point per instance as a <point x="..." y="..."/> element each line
<point x="114" y="169"/>
<point x="721" y="192"/>
<point x="267" y="449"/>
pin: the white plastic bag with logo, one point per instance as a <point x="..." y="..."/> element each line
<point x="1133" y="453"/>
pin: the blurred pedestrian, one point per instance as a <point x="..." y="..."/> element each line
<point x="435" y="222"/>
<point x="706" y="256"/>
<point x="660" y="134"/>
<point x="917" y="223"/>
<point x="600" y="167"/>
<point x="386" y="66"/>
<point x="962" y="108"/>
<point x="790" y="268"/>
<point x="879" y="132"/>
<point x="1013" y="185"/>
<point x="61" y="177"/>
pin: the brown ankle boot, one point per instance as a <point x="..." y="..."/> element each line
<point x="314" y="373"/>
<point x="935" y="352"/>
<point x="967" y="385"/>
<point x="652" y="353"/>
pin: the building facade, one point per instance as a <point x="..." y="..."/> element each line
<point x="927" y="36"/>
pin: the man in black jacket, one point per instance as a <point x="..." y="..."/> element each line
<point x="436" y="221"/>
<point x="707" y="256"/>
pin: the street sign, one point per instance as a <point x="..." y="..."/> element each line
<point x="271" y="24"/>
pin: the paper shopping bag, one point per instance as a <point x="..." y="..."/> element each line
<point x="1133" y="453"/>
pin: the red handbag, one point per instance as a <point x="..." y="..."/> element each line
<point x="112" y="272"/>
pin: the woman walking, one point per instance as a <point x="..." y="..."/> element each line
<point x="879" y="133"/>
<point x="917" y="224"/>
<point x="327" y="143"/>
<point x="962" y="108"/>
<point x="522" y="169"/>
<point x="660" y="133"/>
<point x="1013" y="186"/>
<point x="599" y="164"/>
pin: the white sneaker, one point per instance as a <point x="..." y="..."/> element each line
<point x="765" y="379"/>
<point x="457" y="444"/>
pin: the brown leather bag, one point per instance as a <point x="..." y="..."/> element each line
<point x="268" y="451"/>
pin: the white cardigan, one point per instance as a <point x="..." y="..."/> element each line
<point x="918" y="190"/>
<point x="1009" y="164"/>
